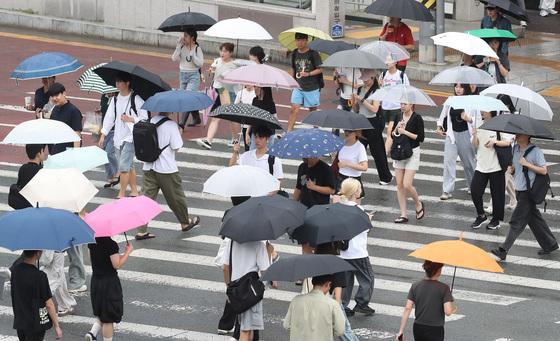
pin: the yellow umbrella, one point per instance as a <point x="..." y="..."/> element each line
<point x="288" y="37"/>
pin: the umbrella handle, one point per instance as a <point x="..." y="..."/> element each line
<point x="453" y="280"/>
<point x="126" y="238"/>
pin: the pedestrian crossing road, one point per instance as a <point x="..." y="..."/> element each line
<point x="173" y="290"/>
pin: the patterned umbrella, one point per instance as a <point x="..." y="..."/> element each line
<point x="303" y="143"/>
<point x="90" y="81"/>
<point x="246" y="114"/>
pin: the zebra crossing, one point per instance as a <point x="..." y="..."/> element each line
<point x="173" y="289"/>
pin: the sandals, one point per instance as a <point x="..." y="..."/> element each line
<point x="401" y="220"/>
<point x="192" y="223"/>
<point x="420" y="214"/>
<point x="112" y="183"/>
<point x="144" y="236"/>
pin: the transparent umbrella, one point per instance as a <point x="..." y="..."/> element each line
<point x="384" y="49"/>
<point x="526" y="101"/>
<point x="403" y="94"/>
<point x="463" y="75"/>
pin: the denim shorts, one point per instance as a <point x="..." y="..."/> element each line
<point x="189" y="80"/>
<point x="309" y="99"/>
<point x="125" y="155"/>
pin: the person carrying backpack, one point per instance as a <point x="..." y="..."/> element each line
<point x="528" y="164"/>
<point x="161" y="171"/>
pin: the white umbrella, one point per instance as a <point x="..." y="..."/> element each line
<point x="403" y="94"/>
<point x="238" y="28"/>
<point x="526" y="101"/>
<point x="476" y="102"/>
<point x="238" y="181"/>
<point x="463" y="75"/>
<point x="384" y="49"/>
<point x="261" y="75"/>
<point x="41" y="131"/>
<point x="66" y="189"/>
<point x="466" y="43"/>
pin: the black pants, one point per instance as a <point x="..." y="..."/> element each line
<point x="497" y="190"/>
<point x="229" y="320"/>
<point x="423" y="332"/>
<point x="26" y="336"/>
<point x="374" y="138"/>
<point x="195" y="118"/>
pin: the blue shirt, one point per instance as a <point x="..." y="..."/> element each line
<point x="535" y="157"/>
<point x="501" y="23"/>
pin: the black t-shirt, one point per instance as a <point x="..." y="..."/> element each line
<point x="71" y="115"/>
<point x="322" y="175"/>
<point x="414" y="125"/>
<point x="428" y="297"/>
<point x="27" y="172"/>
<point x="267" y="102"/>
<point x="30" y="292"/>
<point x="307" y="61"/>
<point x="100" y="254"/>
<point x="41" y="98"/>
<point x="457" y="123"/>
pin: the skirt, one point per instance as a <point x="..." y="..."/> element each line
<point x="412" y="163"/>
<point x="107" y="298"/>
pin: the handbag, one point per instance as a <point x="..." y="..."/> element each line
<point x="401" y="148"/>
<point x="505" y="155"/>
<point x="245" y="292"/>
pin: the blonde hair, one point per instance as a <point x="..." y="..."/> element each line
<point x="349" y="187"/>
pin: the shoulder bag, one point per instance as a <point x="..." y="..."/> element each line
<point x="245" y="292"/>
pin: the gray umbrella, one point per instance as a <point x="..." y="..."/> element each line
<point x="354" y="59"/>
<point x="519" y="124"/>
<point x="409" y="9"/>
<point x="338" y="119"/>
<point x="330" y="46"/>
<point x="291" y="269"/>
<point x="463" y="75"/>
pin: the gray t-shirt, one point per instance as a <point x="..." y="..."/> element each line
<point x="428" y="297"/>
<point x="363" y="110"/>
<point x="535" y="157"/>
<point x="307" y="61"/>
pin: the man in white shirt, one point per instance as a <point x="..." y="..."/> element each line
<point x="164" y="173"/>
<point x="123" y="112"/>
<point x="350" y="81"/>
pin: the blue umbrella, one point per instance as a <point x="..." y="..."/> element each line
<point x="43" y="229"/>
<point x="46" y="64"/>
<point x="177" y="101"/>
<point x="84" y="158"/>
<point x="302" y="143"/>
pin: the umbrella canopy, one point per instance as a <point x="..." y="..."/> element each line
<point x="408" y="9"/>
<point x="291" y="269"/>
<point x="383" y="49"/>
<point x="488" y="33"/>
<point x="339" y="119"/>
<point x="66" y="189"/>
<point x="303" y="143"/>
<point x="288" y="37"/>
<point x="90" y="81"/>
<point x="463" y="75"/>
<point x="241" y="181"/>
<point x="403" y="93"/>
<point x="513" y="8"/>
<point x="261" y="75"/>
<point x="330" y="46"/>
<point x="187" y="21"/>
<point x="332" y="222"/>
<point x="466" y="43"/>
<point x="41" y="131"/>
<point x="83" y="159"/>
<point x="122" y="215"/>
<point x="475" y="102"/>
<point x="43" y="229"/>
<point x="354" y="59"/>
<point x="519" y="124"/>
<point x="143" y="82"/>
<point x="177" y="101"/>
<point x="262" y="218"/>
<point x="46" y="64"/>
<point x="526" y="101"/>
<point x="246" y="114"/>
<point x="238" y="28"/>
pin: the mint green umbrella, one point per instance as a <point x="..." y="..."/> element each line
<point x="83" y="159"/>
<point x="489" y="33"/>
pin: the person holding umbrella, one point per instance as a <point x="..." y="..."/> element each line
<point x="36" y="153"/>
<point x="397" y="31"/>
<point x="41" y="98"/>
<point x="352" y="161"/>
<point x="65" y="112"/>
<point x="495" y="19"/>
<point x="498" y="68"/>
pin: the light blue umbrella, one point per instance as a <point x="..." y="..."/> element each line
<point x="84" y="159"/>
<point x="46" y="64"/>
<point x="177" y="101"/>
<point x="304" y="143"/>
<point x="476" y="102"/>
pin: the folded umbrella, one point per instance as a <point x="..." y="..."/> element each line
<point x="408" y="9"/>
<point x="177" y="101"/>
<point x="463" y="75"/>
<point x="261" y="75"/>
<point x="288" y="37"/>
<point x="338" y="119"/>
<point x="513" y="8"/>
<point x="262" y="218"/>
<point x="239" y="29"/>
<point x="291" y="269"/>
<point x="475" y="102"/>
<point x="246" y="114"/>
<point x="304" y="143"/>
<point x="466" y="43"/>
<point x="241" y="181"/>
<point x="330" y="46"/>
<point x="526" y="101"/>
<point x="43" y="229"/>
<point x="489" y="33"/>
<point x="41" y="131"/>
<point x="90" y="81"/>
<point x="403" y="93"/>
<point x="83" y="159"/>
<point x="46" y="64"/>
<point x="187" y="21"/>
<point x="519" y="124"/>
<point x="383" y="49"/>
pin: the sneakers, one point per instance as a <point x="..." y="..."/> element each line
<point x="478" y="222"/>
<point x="204" y="143"/>
<point x="543" y="13"/>
<point x="349" y="312"/>
<point x="493" y="225"/>
<point x="445" y="196"/>
<point x="65" y="312"/>
<point x="552" y="11"/>
<point x="89" y="337"/>
<point x="543" y="252"/>
<point x="80" y="289"/>
<point x="225" y="331"/>
<point x="385" y="183"/>
<point x="499" y="253"/>
<point x="364" y="309"/>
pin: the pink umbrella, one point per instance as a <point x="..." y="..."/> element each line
<point x="261" y="75"/>
<point x="122" y="215"/>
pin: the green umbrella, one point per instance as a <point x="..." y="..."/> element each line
<point x="488" y="33"/>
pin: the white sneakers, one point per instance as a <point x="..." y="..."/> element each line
<point x="546" y="12"/>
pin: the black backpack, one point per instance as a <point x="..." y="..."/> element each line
<point x="271" y="159"/>
<point x="320" y="78"/>
<point x="145" y="136"/>
<point x="541" y="185"/>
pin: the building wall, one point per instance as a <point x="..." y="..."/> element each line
<point x="91" y="10"/>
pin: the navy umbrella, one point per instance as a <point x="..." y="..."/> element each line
<point x="408" y="9"/>
<point x="187" y="21"/>
<point x="302" y="143"/>
<point x="291" y="269"/>
<point x="46" y="64"/>
<point x="177" y="101"/>
<point x="330" y="46"/>
<point x="338" y="119"/>
<point x="519" y="124"/>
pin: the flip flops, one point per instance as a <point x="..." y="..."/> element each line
<point x="144" y="236"/>
<point x="193" y="222"/>
<point x="420" y="214"/>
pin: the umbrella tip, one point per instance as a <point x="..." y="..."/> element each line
<point x="37" y="206"/>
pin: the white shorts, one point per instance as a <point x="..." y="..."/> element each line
<point x="252" y="319"/>
<point x="412" y="163"/>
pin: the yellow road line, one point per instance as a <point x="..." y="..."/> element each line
<point x="553" y="91"/>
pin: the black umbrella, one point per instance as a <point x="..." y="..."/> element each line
<point x="333" y="222"/>
<point x="519" y="124"/>
<point x="513" y="8"/>
<point x="294" y="268"/>
<point x="187" y="21"/>
<point x="262" y="218"/>
<point x="143" y="82"/>
<point x="338" y="119"/>
<point x="330" y="46"/>
<point x="409" y="9"/>
<point x="246" y="114"/>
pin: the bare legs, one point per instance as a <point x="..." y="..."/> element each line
<point x="405" y="177"/>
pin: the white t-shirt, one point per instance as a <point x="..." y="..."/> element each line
<point x="246" y="257"/>
<point x="245" y="96"/>
<point x="250" y="159"/>
<point x="346" y="72"/>
<point x="223" y="69"/>
<point x="357" y="246"/>
<point x="168" y="133"/>
<point x="390" y="80"/>
<point x="355" y="153"/>
<point x="486" y="158"/>
<point x="123" y="130"/>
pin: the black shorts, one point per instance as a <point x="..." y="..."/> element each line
<point x="107" y="298"/>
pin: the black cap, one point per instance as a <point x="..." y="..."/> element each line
<point x="490" y="6"/>
<point x="56" y="89"/>
<point x="301" y="36"/>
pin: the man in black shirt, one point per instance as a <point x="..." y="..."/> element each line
<point x="66" y="112"/>
<point x="315" y="182"/>
<point x="36" y="154"/>
<point x="41" y="95"/>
